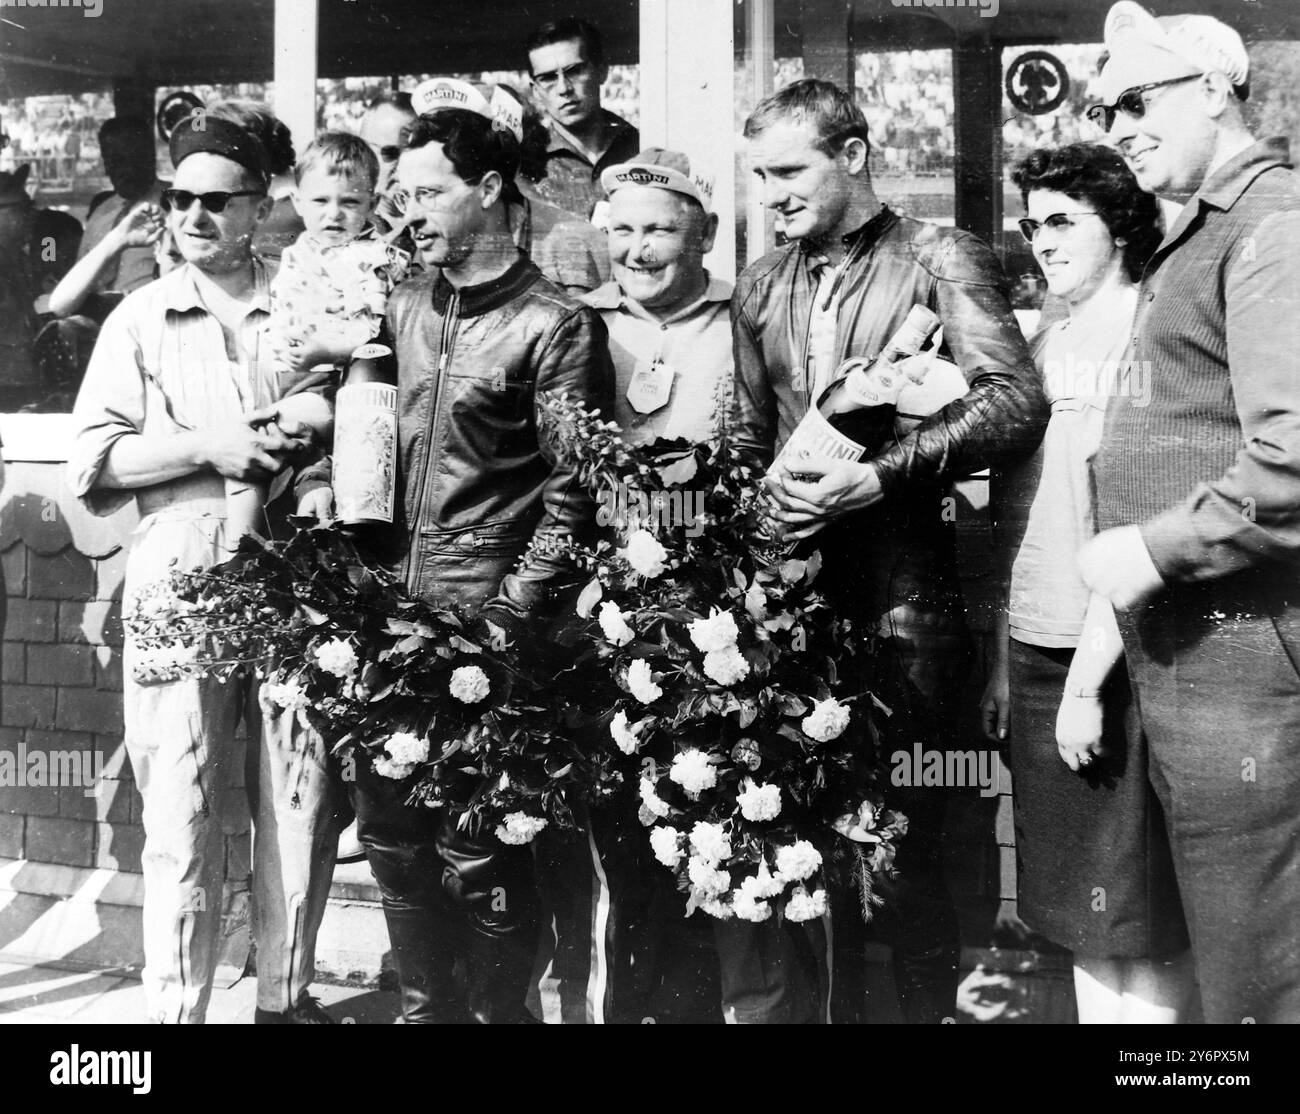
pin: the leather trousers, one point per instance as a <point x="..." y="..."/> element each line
<point x="461" y="910"/>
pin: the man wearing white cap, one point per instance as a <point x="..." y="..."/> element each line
<point x="670" y="339"/>
<point x="1199" y="501"/>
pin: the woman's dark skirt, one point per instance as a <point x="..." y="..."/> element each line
<point x="1094" y="869"/>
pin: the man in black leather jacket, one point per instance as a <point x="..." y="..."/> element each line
<point x="478" y="337"/>
<point x="841" y="289"/>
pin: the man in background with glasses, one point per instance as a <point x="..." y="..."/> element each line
<point x="384" y="127"/>
<point x="567" y="62"/>
<point x="177" y="398"/>
<point x="1198" y="497"/>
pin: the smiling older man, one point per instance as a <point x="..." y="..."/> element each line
<point x="175" y="398"/>
<point x="1199" y="500"/>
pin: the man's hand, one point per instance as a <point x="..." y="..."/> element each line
<point x="251" y="449"/>
<point x="800" y="508"/>
<point x="318" y="504"/>
<point x="1116" y="565"/>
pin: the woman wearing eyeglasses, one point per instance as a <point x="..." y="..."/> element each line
<point x="1093" y="867"/>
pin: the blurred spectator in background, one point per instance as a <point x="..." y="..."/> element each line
<point x="566" y="60"/>
<point x="572" y="253"/>
<point x="122" y="261"/>
<point x="17" y="283"/>
<point x="384" y="127"/>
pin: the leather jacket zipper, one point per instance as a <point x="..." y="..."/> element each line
<point x="446" y="341"/>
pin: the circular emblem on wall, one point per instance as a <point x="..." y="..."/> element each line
<point x="1037" y="82"/>
<point x="174" y="108"/>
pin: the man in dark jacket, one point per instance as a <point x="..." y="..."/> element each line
<point x="478" y="337"/>
<point x="840" y="290"/>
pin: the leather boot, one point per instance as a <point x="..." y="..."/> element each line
<point x="423" y="963"/>
<point x="493" y="886"/>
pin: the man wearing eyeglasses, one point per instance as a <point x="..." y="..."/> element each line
<point x="177" y="396"/>
<point x="1198" y="498"/>
<point x="478" y="338"/>
<point x="566" y="59"/>
<point x="384" y="127"/>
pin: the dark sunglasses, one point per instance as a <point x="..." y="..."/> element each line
<point x="1130" y="102"/>
<point x="214" y="201"/>
<point x="1057" y="222"/>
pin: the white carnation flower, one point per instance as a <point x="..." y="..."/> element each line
<point x="644" y="553"/>
<point x="759" y="802"/>
<point x="519" y="828"/>
<point x="388" y="767"/>
<point x="693" y="771"/>
<point x="804" y="906"/>
<point x="407" y="747"/>
<point x="709" y="843"/>
<point x="826" y="721"/>
<point x="712" y="906"/>
<point x="726" y="667"/>
<point x="469" y="684"/>
<point x="288" y="695"/>
<point x="337" y="657"/>
<point x="665" y="842"/>
<point x="748" y="907"/>
<point x="765" y="884"/>
<point x="797" y="861"/>
<point x="641" y="683"/>
<point x="625" y="738"/>
<point x="717" y="632"/>
<point x="707" y="879"/>
<point x="651" y="800"/>
<point x="614" y="624"/>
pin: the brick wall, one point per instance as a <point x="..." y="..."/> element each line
<point x="62" y="691"/>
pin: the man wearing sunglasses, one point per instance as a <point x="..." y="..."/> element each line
<point x="177" y="397"/>
<point x="1198" y="500"/>
<point x="567" y="62"/>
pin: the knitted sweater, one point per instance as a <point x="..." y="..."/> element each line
<point x="1204" y="452"/>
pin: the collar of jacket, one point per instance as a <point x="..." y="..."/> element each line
<point x="490" y="295"/>
<point x="857" y="242"/>
<point x="1223" y="189"/>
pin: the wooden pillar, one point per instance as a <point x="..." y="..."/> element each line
<point x="977" y="135"/>
<point x="687" y="58"/>
<point x="760" y="60"/>
<point x="295" y="67"/>
<point x="827" y="41"/>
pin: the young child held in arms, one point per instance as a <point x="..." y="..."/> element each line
<point x="328" y="299"/>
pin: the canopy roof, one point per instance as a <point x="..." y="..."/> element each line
<point x="181" y="42"/>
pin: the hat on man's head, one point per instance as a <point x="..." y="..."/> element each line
<point x="491" y="102"/>
<point x="202" y="132"/>
<point x="1144" y="48"/>
<point x="667" y="170"/>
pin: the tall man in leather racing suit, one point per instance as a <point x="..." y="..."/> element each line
<point x="478" y="337"/>
<point x="841" y="289"/>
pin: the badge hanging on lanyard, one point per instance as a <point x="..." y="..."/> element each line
<point x="651" y="386"/>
